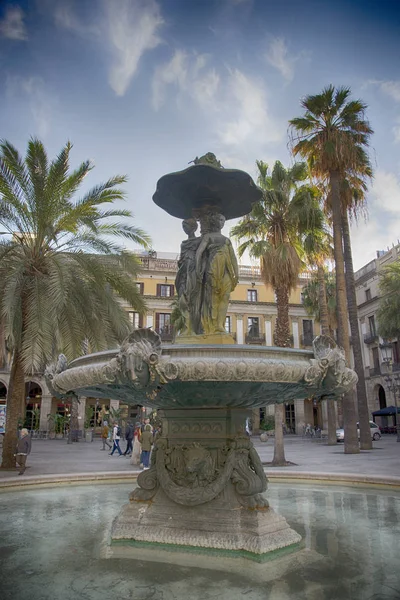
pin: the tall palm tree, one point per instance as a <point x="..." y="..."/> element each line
<point x="319" y="299"/>
<point x="312" y="298"/>
<point x="62" y="269"/>
<point x="274" y="232"/>
<point x="330" y="136"/>
<point x="353" y="189"/>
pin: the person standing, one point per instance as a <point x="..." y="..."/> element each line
<point x="104" y="436"/>
<point x="147" y="441"/>
<point x="129" y="440"/>
<point x="23" y="449"/>
<point x="116" y="436"/>
<point x="137" y="447"/>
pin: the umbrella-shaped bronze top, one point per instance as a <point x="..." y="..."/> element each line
<point x="230" y="192"/>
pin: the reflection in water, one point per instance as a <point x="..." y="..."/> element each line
<point x="50" y="548"/>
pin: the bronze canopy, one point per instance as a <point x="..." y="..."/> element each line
<point x="230" y="191"/>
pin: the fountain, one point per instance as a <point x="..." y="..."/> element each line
<point x="204" y="489"/>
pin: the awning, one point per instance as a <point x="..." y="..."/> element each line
<point x="385" y="412"/>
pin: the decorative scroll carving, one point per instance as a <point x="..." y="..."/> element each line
<point x="327" y="371"/>
<point x="199" y="481"/>
<point x="191" y="476"/>
<point x="248" y="476"/>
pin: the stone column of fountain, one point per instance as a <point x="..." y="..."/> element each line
<point x="205" y="486"/>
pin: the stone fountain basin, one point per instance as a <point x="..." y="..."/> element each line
<point x="200" y="376"/>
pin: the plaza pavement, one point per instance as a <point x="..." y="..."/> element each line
<point x="56" y="457"/>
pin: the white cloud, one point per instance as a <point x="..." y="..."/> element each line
<point x="132" y="29"/>
<point x="189" y="74"/>
<point x="13" y="26"/>
<point x="386" y="189"/>
<point x="392" y="89"/>
<point x="383" y="226"/>
<point x="247" y="115"/>
<point x="396" y="131"/>
<point x="66" y="18"/>
<point x="278" y="57"/>
<point x="38" y="98"/>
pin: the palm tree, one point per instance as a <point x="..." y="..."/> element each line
<point x="274" y="232"/>
<point x="353" y="189"/>
<point x="330" y="136"/>
<point x="319" y="299"/>
<point x="177" y="319"/>
<point x="388" y="313"/>
<point x="311" y="293"/>
<point x="61" y="268"/>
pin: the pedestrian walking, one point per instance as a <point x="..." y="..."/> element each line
<point x="129" y="440"/>
<point x="105" y="432"/>
<point x="23" y="449"/>
<point x="147" y="442"/>
<point x="116" y="436"/>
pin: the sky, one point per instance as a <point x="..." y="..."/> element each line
<point x="142" y="87"/>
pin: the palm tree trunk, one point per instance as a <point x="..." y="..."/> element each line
<point x="279" y="459"/>
<point x="362" y="402"/>
<point x="15" y="401"/>
<point x="323" y="305"/>
<point x="282" y="339"/>
<point x="3" y="350"/>
<point x="282" y="329"/>
<point x="351" y="445"/>
<point x="74" y="422"/>
<point x="325" y="330"/>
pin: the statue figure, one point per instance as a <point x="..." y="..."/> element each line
<point x="217" y="273"/>
<point x="186" y="282"/>
<point x="207" y="159"/>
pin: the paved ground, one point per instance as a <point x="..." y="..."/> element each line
<point x="57" y="457"/>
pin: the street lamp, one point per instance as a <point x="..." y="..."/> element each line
<point x="392" y="381"/>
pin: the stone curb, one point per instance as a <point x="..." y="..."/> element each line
<point x="121" y="476"/>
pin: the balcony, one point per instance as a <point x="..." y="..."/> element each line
<point x="255" y="337"/>
<point x="370" y="338"/>
<point x="166" y="333"/>
<point x="306" y="340"/>
<point x="374" y="371"/>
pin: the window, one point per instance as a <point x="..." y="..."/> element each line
<point x="251" y="295"/>
<point x="372" y="328"/>
<point x="140" y="287"/>
<point x="375" y="358"/>
<point x="253" y="326"/>
<point x="163" y="322"/>
<point x="228" y="324"/>
<point x="165" y="290"/>
<point x="136" y="319"/>
<point x="367" y="295"/>
<point x="307" y="328"/>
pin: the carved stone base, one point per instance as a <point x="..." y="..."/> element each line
<point x="212" y="338"/>
<point x="204" y="490"/>
<point x="221" y="524"/>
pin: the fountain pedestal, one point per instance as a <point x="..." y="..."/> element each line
<point x="204" y="489"/>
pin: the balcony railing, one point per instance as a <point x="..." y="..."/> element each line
<point x="255" y="337"/>
<point x="370" y="338"/>
<point x="374" y="371"/>
<point x="306" y="339"/>
<point x="166" y="333"/>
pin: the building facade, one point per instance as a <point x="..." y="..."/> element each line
<point x="250" y="319"/>
<point x="368" y="298"/>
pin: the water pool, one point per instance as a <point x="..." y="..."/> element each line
<point x="52" y="547"/>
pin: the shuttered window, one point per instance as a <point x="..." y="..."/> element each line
<point x="136" y="319"/>
<point x="165" y="290"/>
<point x="163" y="322"/>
